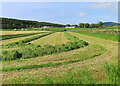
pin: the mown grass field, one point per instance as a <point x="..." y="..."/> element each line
<point x="17" y="39"/>
<point x="61" y="58"/>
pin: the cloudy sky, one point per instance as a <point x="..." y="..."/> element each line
<point x="68" y="12"/>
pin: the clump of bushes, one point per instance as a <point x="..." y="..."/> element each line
<point x="11" y="55"/>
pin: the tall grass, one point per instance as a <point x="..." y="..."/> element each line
<point x="79" y="76"/>
<point x="112" y="74"/>
<point x="83" y="76"/>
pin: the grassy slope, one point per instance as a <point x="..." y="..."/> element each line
<point x="53" y="39"/>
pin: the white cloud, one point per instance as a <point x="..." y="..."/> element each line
<point x="104" y="5"/>
<point x="81" y="14"/>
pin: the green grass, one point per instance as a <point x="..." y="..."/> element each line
<point x="113" y="37"/>
<point x="68" y="77"/>
<point x="76" y="76"/>
<point x="112" y="74"/>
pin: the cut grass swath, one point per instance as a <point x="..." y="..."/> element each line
<point x="11" y="68"/>
<point x="22" y="42"/>
<point x="5" y="37"/>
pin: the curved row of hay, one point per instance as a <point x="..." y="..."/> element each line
<point x="5" y="37"/>
<point x="24" y="41"/>
<point x="32" y="50"/>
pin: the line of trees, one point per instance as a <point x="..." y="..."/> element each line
<point x="8" y="23"/>
<point x="71" y="25"/>
<point x="87" y="25"/>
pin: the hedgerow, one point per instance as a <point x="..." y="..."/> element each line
<point x="32" y="50"/>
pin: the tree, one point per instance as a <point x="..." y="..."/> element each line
<point x="96" y="25"/>
<point x="75" y="25"/>
<point x="86" y="25"/>
<point x="68" y="25"/>
<point x="81" y="25"/>
<point x="100" y="24"/>
<point x="93" y="25"/>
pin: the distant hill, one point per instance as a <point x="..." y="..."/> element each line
<point x="9" y="23"/>
<point x="109" y="23"/>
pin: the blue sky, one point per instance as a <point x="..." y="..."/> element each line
<point x="62" y="12"/>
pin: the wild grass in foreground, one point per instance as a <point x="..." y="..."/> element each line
<point x="83" y="76"/>
<point x="112" y="74"/>
<point x="72" y="76"/>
